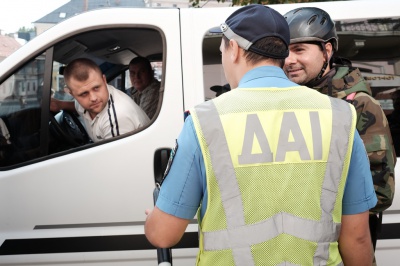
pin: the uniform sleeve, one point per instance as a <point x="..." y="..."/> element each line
<point x="359" y="194"/>
<point x="183" y="187"/>
<point x="374" y="130"/>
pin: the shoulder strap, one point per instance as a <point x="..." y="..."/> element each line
<point x="341" y="72"/>
<point x="350" y="97"/>
<point x="350" y="80"/>
<point x="186" y="114"/>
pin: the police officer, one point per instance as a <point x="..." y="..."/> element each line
<point x="272" y="168"/>
<point x="313" y="42"/>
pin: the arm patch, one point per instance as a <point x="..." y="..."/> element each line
<point x="170" y="160"/>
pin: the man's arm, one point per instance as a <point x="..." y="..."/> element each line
<point x="58" y="105"/>
<point x="355" y="241"/>
<point x="181" y="191"/>
<point x="375" y="132"/>
<point x="164" y="230"/>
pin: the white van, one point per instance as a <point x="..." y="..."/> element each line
<point x="66" y="201"/>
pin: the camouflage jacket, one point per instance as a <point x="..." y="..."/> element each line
<point x="372" y="126"/>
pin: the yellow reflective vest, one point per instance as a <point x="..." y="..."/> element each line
<point x="276" y="164"/>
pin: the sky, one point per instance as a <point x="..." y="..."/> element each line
<point x="15" y="14"/>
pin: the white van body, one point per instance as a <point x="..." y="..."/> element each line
<point x="85" y="205"/>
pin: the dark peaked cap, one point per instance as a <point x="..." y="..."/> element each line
<point x="253" y="22"/>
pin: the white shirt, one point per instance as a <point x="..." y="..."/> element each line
<point x="120" y="115"/>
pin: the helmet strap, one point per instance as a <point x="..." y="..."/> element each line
<point x="321" y="73"/>
<point x="325" y="53"/>
<point x="313" y="82"/>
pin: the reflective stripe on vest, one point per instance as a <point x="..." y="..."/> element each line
<point x="238" y="236"/>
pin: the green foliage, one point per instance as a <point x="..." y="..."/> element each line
<point x="196" y="3"/>
<point x="24" y="29"/>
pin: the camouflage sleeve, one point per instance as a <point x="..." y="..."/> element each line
<point x="375" y="133"/>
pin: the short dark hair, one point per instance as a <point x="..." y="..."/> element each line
<point x="272" y="45"/>
<point x="139" y="60"/>
<point x="79" y="69"/>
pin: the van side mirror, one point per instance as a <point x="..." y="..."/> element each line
<point x="161" y="157"/>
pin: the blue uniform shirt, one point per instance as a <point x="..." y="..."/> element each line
<point x="185" y="186"/>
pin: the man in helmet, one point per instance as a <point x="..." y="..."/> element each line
<point x="313" y="42"/>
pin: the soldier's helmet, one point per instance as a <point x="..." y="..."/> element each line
<point x="310" y="24"/>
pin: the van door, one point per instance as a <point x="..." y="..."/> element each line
<point x="64" y="202"/>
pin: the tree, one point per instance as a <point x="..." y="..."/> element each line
<point x="195" y="3"/>
<point x="25" y="29"/>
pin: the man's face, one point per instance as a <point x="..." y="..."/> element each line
<point x="91" y="94"/>
<point x="304" y="62"/>
<point x="140" y="76"/>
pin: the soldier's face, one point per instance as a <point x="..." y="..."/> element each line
<point x="304" y="62"/>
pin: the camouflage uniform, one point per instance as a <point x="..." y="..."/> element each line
<point x="372" y="126"/>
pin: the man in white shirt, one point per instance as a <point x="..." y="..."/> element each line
<point x="106" y="111"/>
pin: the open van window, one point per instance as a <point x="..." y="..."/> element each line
<point x="214" y="77"/>
<point x="25" y="95"/>
<point x="20" y="113"/>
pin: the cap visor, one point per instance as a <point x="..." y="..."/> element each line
<point x="215" y="30"/>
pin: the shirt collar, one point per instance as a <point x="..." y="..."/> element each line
<point x="273" y="73"/>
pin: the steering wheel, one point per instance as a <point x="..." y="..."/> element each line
<point x="67" y="126"/>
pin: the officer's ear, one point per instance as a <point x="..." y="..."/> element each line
<point x="235" y="50"/>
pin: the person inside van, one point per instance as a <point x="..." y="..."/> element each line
<point x="145" y="90"/>
<point x="106" y="111"/>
